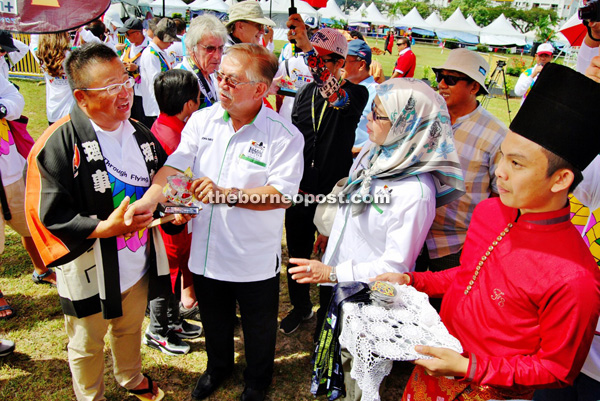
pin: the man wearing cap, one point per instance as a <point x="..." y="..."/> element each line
<point x="543" y="56"/>
<point x="327" y="112"/>
<point x="407" y="61"/>
<point x="524" y="301"/>
<point x="246" y="23"/>
<point x="136" y="42"/>
<point x="15" y="49"/>
<point x="357" y="71"/>
<point x="155" y="60"/>
<point x="477" y="137"/>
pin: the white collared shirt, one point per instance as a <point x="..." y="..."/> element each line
<point x="384" y="237"/>
<point x="150" y="67"/>
<point x="236" y="244"/>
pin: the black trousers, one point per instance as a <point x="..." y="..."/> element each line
<point x="259" y="305"/>
<point x="300" y="237"/>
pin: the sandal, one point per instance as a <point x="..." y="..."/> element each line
<point x="39" y="278"/>
<point x="7" y="307"/>
<point x="138" y="393"/>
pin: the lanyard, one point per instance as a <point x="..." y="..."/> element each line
<point x="316" y="126"/>
<point x="205" y="86"/>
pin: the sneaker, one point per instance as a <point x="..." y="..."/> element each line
<point x="169" y="344"/>
<point x="192" y="313"/>
<point x="6" y="347"/>
<point x="186" y="330"/>
<point x="292" y="321"/>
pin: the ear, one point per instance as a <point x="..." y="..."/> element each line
<point x="475" y="87"/>
<point x="562" y="179"/>
<point x="261" y="90"/>
<point x="80" y="97"/>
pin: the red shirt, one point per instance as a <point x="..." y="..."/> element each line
<point x="529" y="318"/>
<point x="167" y="129"/>
<point x="405" y="66"/>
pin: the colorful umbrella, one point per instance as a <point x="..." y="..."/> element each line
<point x="47" y="16"/>
<point x="574" y="30"/>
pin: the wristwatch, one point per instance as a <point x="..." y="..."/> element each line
<point x="3" y="111"/>
<point x="332" y="275"/>
<point x="233" y="196"/>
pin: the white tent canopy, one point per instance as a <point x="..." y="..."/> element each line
<point x="501" y="33"/>
<point x="413" y="20"/>
<point x="213" y="5"/>
<point x="332" y="11"/>
<point x="194" y="6"/>
<point x="375" y="17"/>
<point x="171" y="7"/>
<point x="472" y="22"/>
<point x="434" y="19"/>
<point x="359" y="14"/>
<point x="457" y="27"/>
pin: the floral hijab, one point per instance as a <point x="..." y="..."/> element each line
<point x="419" y="141"/>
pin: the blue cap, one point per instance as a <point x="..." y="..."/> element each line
<point x="360" y="48"/>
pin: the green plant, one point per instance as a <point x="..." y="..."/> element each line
<point x="482" y="48"/>
<point x="544" y="31"/>
<point x="516" y="66"/>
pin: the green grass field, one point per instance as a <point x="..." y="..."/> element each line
<point x="38" y="370"/>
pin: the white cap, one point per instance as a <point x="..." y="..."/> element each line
<point x="545" y="48"/>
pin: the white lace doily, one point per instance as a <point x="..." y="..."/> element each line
<point x="376" y="336"/>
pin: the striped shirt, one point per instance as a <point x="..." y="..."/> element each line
<point x="477" y="136"/>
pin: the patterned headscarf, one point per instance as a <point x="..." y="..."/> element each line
<point x="419" y="141"/>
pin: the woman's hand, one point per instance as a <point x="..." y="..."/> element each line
<point x="309" y="271"/>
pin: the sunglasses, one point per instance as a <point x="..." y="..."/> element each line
<point x="114" y="89"/>
<point x="212" y="49"/>
<point x="230" y="81"/>
<point x="376" y="116"/>
<point x="328" y="60"/>
<point x="450" y="80"/>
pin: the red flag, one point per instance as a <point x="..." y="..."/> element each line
<point x="47" y="16"/>
<point x="317" y="3"/>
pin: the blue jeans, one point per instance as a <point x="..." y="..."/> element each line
<point x="583" y="389"/>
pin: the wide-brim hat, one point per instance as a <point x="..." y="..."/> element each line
<point x="329" y="40"/>
<point x="469" y="63"/>
<point x="6" y="42"/>
<point x="166" y="30"/>
<point x="248" y="10"/>
<point x="559" y="115"/>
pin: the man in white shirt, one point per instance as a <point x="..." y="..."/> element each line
<point x="250" y="161"/>
<point x="543" y="56"/>
<point x="131" y="58"/>
<point x="155" y="60"/>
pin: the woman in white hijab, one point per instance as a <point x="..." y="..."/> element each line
<point x="411" y="159"/>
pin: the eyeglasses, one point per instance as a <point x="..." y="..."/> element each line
<point x="328" y="60"/>
<point x="212" y="49"/>
<point x="450" y="80"/>
<point x="258" y="26"/>
<point x="376" y="116"/>
<point x="114" y="89"/>
<point x="230" y="81"/>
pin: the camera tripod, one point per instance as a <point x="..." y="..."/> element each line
<point x="497" y="74"/>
